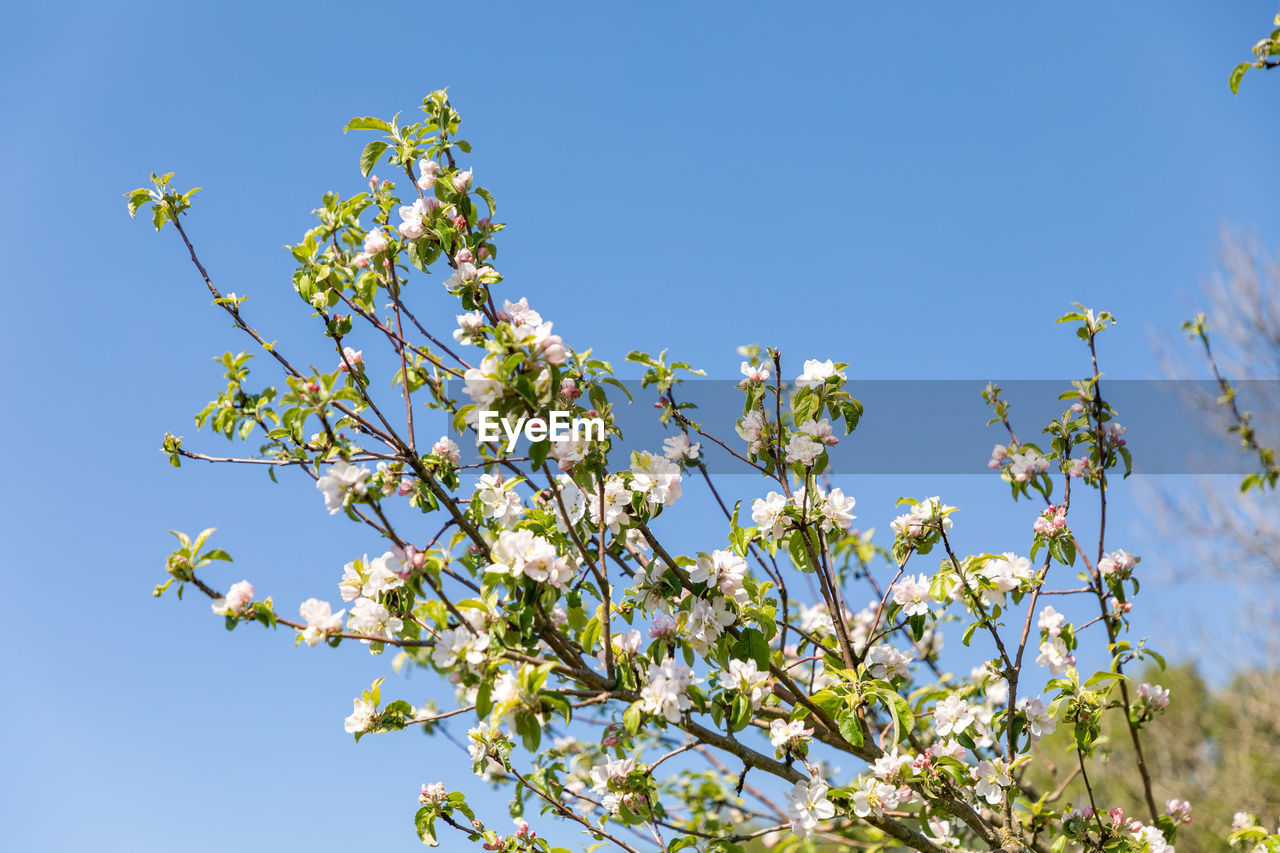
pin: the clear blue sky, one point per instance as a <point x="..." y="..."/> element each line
<point x="915" y="189"/>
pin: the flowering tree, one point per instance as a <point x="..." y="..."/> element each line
<point x="710" y="699"/>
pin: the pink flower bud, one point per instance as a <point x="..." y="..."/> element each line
<point x="405" y="487"/>
<point x="459" y="222"/>
<point x="484" y="250"/>
<point x="464" y="256"/>
<point x="569" y="389"/>
<point x="462" y="181"/>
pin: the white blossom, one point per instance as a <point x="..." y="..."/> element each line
<point x="768" y="514"/>
<point x="722" y="570"/>
<point x="666" y="694"/>
<point x="361" y="719"/>
<point x="992" y="779"/>
<point x="1039" y="721"/>
<point x="787" y="732"/>
<point x="341" y="481"/>
<point x="498" y="501"/>
<point x="951" y="716"/>
<point x="809" y="806"/>
<point x="679" y="446"/>
<point x="747" y="678"/>
<point x="872" y="797"/>
<point x="912" y="595"/>
<point x="817" y="372"/>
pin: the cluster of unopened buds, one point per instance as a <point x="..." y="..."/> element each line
<point x="1052" y="521"/>
<point x="433" y="793"/>
<point x="569" y="389"/>
<point x="1179" y="810"/>
<point x="1112" y="433"/>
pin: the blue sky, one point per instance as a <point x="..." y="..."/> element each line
<point x="914" y="189"/>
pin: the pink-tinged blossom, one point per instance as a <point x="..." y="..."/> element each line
<point x="751" y="429"/>
<point x="1120" y="563"/>
<point x="470" y="327"/>
<point x="1179" y="810"/>
<point x="483" y="383"/>
<point x="802" y="449"/>
<point x="236" y="601"/>
<point x="375" y="241"/>
<point x="722" y="570"/>
<point x="1040" y="721"/>
<point x="433" y="793"/>
<point x="1026" y="464"/>
<point x="447" y="449"/>
<point x="1051" y="522"/>
<point x="662" y="627"/>
<point x="912" y="595"/>
<point x="820" y="431"/>
<point x="462" y="181"/>
<point x="755" y="373"/>
<point x="1153" y="696"/>
<point x="351" y="358"/>
<point x="321" y="621"/>
<point x="998" y="454"/>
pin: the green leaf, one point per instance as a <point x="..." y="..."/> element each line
<point x="851" y="728"/>
<point x="488" y="199"/>
<point x="370" y="156"/>
<point x="366" y="123"/>
<point x="1237" y="74"/>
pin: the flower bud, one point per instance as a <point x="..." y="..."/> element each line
<point x="462" y="181"/>
<point x="464" y="256"/>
